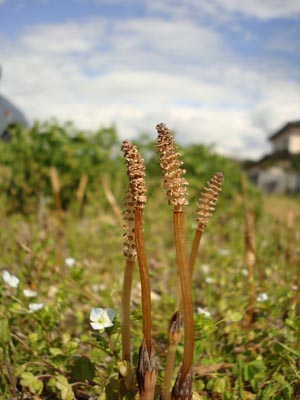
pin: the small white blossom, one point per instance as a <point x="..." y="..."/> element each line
<point x="102" y="318"/>
<point x="98" y="287"/>
<point x="11" y="280"/>
<point x="29" y="293"/>
<point x="205" y="268"/>
<point x="262" y="297"/>
<point x="33" y="307"/>
<point x="224" y="252"/>
<point x="245" y="272"/>
<point x="204" y="311"/>
<point x="295" y="287"/>
<point x="70" y="262"/>
<point x="208" y="279"/>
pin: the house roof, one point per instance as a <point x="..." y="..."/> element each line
<point x="294" y="124"/>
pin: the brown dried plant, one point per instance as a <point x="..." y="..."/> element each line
<point x="55" y="183"/>
<point x="127" y="381"/>
<point x="176" y="190"/>
<point x="250" y="260"/>
<point x="147" y="369"/>
<point x="250" y="254"/>
<point x="297" y="294"/>
<point x="134" y="247"/>
<point x="206" y="206"/>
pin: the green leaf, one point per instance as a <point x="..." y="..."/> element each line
<point x="34" y="384"/>
<point x="219" y="385"/>
<point x="82" y="369"/>
<point x="235" y="316"/>
<point x="65" y="388"/>
<point x="126" y="370"/>
<point x="55" y="351"/>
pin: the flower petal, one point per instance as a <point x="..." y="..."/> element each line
<point x="262" y="297"/>
<point x="96" y="314"/>
<point x="29" y="293"/>
<point x="70" y="261"/>
<point x="33" y="307"/>
<point x="110" y="313"/>
<point x="11" y="280"/>
<point x="97" y="325"/>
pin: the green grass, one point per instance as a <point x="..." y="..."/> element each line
<point x="54" y="353"/>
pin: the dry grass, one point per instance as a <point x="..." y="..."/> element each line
<point x="280" y="207"/>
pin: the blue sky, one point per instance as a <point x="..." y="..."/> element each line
<point x="223" y="72"/>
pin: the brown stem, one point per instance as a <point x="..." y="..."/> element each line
<point x="111" y="199"/>
<point x="146" y="373"/>
<point x="186" y="292"/>
<point x="55" y="182"/>
<point x="144" y="276"/>
<point x="297" y="296"/>
<point x="125" y="308"/>
<point x="80" y="193"/>
<point x="194" y="250"/>
<point x="250" y="259"/>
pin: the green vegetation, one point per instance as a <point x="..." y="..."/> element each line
<point x="65" y="245"/>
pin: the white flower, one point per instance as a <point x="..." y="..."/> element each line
<point x="224" y="252"/>
<point x="102" y="318"/>
<point x="209" y="279"/>
<point x="262" y="297"/>
<point x="70" y="262"/>
<point x="204" y="311"/>
<point x="11" y="280"/>
<point x="33" y="307"/>
<point x="206" y="268"/>
<point x="245" y="272"/>
<point x="29" y="293"/>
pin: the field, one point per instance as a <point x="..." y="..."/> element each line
<point x="61" y="235"/>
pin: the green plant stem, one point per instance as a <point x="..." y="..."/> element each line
<point x="144" y="276"/>
<point x="186" y="291"/>
<point x="174" y="334"/>
<point x="169" y="371"/>
<point x="125" y="308"/>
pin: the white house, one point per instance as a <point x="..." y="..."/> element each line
<point x="287" y="138"/>
<point x="275" y="172"/>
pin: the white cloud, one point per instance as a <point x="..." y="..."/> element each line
<point x="267" y="9"/>
<point x="142" y="71"/>
<point x="228" y="9"/>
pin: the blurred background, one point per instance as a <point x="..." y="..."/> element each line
<point x="222" y="72"/>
